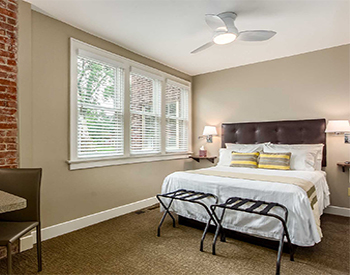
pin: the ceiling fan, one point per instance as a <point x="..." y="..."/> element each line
<point x="226" y="32"/>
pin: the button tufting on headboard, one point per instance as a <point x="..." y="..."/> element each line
<point x="280" y="132"/>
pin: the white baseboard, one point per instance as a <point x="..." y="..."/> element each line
<point x="336" y="210"/>
<point x="66" y="227"/>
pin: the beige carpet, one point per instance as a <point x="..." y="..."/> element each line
<point x="128" y="245"/>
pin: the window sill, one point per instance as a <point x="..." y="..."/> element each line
<point x="93" y="163"/>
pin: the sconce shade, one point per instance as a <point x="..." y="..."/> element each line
<point x="338" y="126"/>
<point x="209" y="131"/>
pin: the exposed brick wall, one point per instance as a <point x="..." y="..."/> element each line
<point x="8" y="83"/>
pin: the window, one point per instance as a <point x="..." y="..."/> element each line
<point x="100" y="108"/>
<point x="176" y="112"/>
<point x="125" y="112"/>
<point x="145" y="111"/>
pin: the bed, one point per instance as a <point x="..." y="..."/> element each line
<point x="302" y="222"/>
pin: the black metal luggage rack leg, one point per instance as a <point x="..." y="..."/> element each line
<point x="191" y="197"/>
<point x="236" y="203"/>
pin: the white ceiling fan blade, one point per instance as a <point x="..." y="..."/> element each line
<point x="215" y="22"/>
<point x="255" y="35"/>
<point x="205" y="46"/>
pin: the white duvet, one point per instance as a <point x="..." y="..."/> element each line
<point x="301" y="222"/>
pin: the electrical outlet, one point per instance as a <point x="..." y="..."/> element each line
<point x="349" y="191"/>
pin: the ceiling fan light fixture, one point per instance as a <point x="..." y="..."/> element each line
<point x="224" y="38"/>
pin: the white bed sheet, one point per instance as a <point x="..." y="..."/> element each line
<point x="301" y="223"/>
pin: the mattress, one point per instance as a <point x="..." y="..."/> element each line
<point x="301" y="221"/>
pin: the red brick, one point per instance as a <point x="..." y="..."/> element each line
<point x="7" y="26"/>
<point x="11" y="133"/>
<point x="9" y="13"/>
<point x="11" y="21"/>
<point x="10" y="69"/>
<point x="11" y="48"/>
<point x="10" y="140"/>
<point x="8" y="96"/>
<point x="12" y="62"/>
<point x="11" y="34"/>
<point x="11" y="90"/>
<point x="11" y="146"/>
<point x="10" y="125"/>
<point x="12" y="77"/>
<point x="8" y="111"/>
<point x="4" y="39"/>
<point x="3" y="118"/>
<point x="3" y="75"/>
<point x="8" y="154"/>
<point x="11" y="161"/>
<point x="8" y="166"/>
<point x="11" y="119"/>
<point x="12" y="7"/>
<point x="12" y="104"/>
<point x="4" y="53"/>
<point x="8" y="83"/>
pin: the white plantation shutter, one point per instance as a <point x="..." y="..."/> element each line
<point x="176" y="111"/>
<point x="100" y="109"/>
<point x="145" y="112"/>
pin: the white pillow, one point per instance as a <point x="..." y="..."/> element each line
<point x="313" y="147"/>
<point x="245" y="148"/>
<point x="224" y="157"/>
<point x="225" y="154"/>
<point x="305" y="157"/>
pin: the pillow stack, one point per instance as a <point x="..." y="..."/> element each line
<point x="305" y="157"/>
<point x="302" y="157"/>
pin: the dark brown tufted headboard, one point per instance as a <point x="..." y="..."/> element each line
<point x="310" y="131"/>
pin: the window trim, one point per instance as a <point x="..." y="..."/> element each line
<point x="78" y="47"/>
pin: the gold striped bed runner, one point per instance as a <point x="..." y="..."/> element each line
<point x="307" y="186"/>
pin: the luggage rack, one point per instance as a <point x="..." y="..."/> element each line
<point x="191" y="197"/>
<point x="235" y="203"/>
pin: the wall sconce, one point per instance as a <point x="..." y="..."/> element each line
<point x="208" y="133"/>
<point x="338" y="127"/>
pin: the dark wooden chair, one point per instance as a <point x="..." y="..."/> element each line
<point x="24" y="183"/>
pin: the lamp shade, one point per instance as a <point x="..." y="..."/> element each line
<point x="338" y="126"/>
<point x="209" y="131"/>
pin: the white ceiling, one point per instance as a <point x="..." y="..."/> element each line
<point x="168" y="30"/>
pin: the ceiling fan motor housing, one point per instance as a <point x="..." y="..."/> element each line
<point x="229" y="20"/>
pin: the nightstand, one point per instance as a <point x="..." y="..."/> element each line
<point x="343" y="165"/>
<point x="198" y="158"/>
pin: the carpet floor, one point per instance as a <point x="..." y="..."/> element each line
<point x="128" y="245"/>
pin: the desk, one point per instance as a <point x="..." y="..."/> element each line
<point x="9" y="202"/>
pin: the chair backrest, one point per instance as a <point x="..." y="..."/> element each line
<point x="24" y="183"/>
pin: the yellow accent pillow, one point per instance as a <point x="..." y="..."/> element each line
<point x="249" y="160"/>
<point x="278" y="161"/>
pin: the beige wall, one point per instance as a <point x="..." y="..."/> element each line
<point x="311" y="85"/>
<point x="44" y="127"/>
